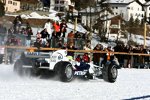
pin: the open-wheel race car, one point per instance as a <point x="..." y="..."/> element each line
<point x="64" y="66"/>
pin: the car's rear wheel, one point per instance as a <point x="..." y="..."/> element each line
<point x="18" y="67"/>
<point x="110" y="73"/>
<point x="1" y="59"/>
<point x="35" y="68"/>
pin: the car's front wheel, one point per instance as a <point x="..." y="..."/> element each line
<point x="66" y="72"/>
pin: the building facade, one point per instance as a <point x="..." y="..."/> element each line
<point x="60" y="5"/>
<point x="11" y="5"/>
<point x="127" y="8"/>
<point x="124" y="8"/>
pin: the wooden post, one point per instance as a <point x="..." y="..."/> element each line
<point x="145" y="29"/>
<point x="75" y="25"/>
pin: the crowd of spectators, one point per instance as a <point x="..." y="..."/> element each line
<point x="54" y="35"/>
<point x="17" y="34"/>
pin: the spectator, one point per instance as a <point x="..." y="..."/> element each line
<point x="71" y="47"/>
<point x="63" y="29"/>
<point x="17" y="24"/>
<point x="47" y="45"/>
<point x="96" y="56"/>
<point x="146" y="58"/>
<point x="120" y="48"/>
<point x="56" y="29"/>
<point x="64" y="46"/>
<point x="70" y="37"/>
<point x="38" y="43"/>
<point x="127" y="58"/>
<point x="78" y="40"/>
<point x="38" y="35"/>
<point x="28" y="36"/>
<point x="77" y="35"/>
<point x="48" y="26"/>
<point x="87" y="46"/>
<point x="59" y="44"/>
<point x="12" y="40"/>
<point x="86" y="58"/>
<point x="44" y="36"/>
<point x="109" y="56"/>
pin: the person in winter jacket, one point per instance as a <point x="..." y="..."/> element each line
<point x="56" y="29"/>
<point x="48" y="26"/>
<point x="71" y="37"/>
<point x="63" y="29"/>
<point x="82" y="62"/>
<point x="96" y="56"/>
<point x="44" y="36"/>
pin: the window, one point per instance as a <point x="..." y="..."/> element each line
<point x="14" y="3"/>
<point x="136" y="14"/>
<point x="116" y="13"/>
<point x="112" y="7"/>
<point x="128" y="7"/>
<point x="4" y="1"/>
<point x="9" y="2"/>
<point x="116" y="7"/>
<point x="62" y="2"/>
<point x="56" y="8"/>
<point x="6" y="8"/>
<point x="56" y="2"/>
<point x="61" y="8"/>
<point x="121" y="14"/>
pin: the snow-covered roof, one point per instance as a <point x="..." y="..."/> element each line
<point x="34" y="14"/>
<point x="53" y="16"/>
<point x="78" y="28"/>
<point x="147" y="3"/>
<point x="120" y="1"/>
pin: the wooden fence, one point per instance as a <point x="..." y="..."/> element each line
<point x="79" y="51"/>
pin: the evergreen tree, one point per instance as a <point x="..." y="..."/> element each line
<point x="2" y="9"/>
<point x="130" y="25"/>
<point x="131" y="22"/>
<point x="134" y="26"/>
<point x="137" y="22"/>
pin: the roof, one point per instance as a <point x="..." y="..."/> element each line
<point x="29" y="1"/>
<point x="147" y="3"/>
<point x="120" y="1"/>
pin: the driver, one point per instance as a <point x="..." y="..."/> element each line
<point x="83" y="62"/>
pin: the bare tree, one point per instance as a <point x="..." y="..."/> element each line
<point x="104" y="11"/>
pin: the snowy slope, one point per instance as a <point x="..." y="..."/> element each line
<point x="131" y="84"/>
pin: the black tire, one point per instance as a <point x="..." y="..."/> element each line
<point x="1" y="59"/>
<point x="35" y="68"/>
<point x="18" y="67"/>
<point x="66" y="72"/>
<point x="110" y="73"/>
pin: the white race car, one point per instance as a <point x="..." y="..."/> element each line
<point x="65" y="67"/>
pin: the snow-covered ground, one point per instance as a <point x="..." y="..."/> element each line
<point x="132" y="84"/>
